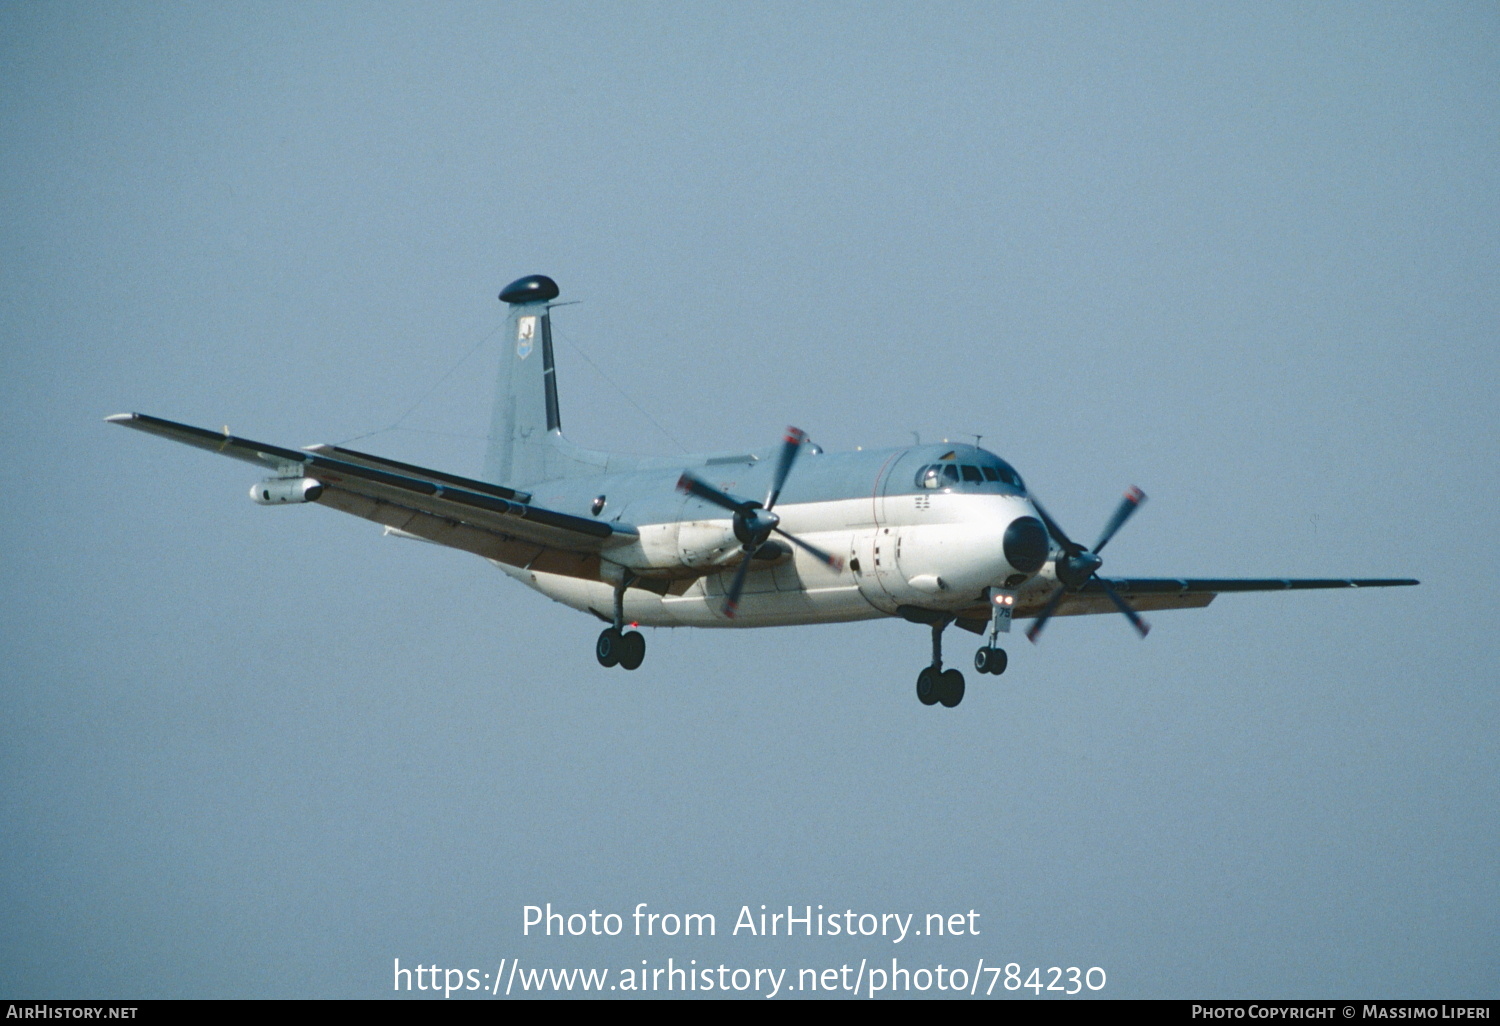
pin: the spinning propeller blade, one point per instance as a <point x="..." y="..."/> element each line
<point x="1128" y="505"/>
<point x="790" y="446"/>
<point x="708" y="493"/>
<point x="1076" y="565"/>
<point x="732" y="596"/>
<point x="1045" y="615"/>
<point x="753" y="522"/>
<point x="813" y="550"/>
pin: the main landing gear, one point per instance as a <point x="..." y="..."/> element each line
<point x="617" y="646"/>
<point x="620" y="648"/>
<point x="935" y="684"/>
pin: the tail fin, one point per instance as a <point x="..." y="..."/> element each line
<point x="526" y="443"/>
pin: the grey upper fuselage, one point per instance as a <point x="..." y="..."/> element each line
<point x="647" y="493"/>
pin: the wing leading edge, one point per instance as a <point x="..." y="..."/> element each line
<point x="1148" y="593"/>
<point x="491" y="520"/>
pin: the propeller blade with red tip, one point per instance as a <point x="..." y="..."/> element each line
<point x="1132" y="502"/>
<point x="732" y="596"/>
<point x="790" y="446"/>
<point x="1135" y="618"/>
<point x="833" y="561"/>
<point x="1046" y="614"/>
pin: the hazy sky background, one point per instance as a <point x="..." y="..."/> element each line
<point x="1244" y="256"/>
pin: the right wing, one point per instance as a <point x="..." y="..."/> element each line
<point x="490" y="520"/>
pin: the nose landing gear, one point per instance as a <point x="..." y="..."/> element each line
<point x="991" y="660"/>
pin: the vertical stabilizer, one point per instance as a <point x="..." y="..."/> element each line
<point x="525" y="427"/>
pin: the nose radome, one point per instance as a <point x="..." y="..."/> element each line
<point x="1026" y="544"/>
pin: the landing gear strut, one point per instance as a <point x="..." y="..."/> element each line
<point x="935" y="684"/>
<point x="617" y="646"/>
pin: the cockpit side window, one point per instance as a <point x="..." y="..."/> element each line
<point x="930" y="476"/>
<point x="950" y="475"/>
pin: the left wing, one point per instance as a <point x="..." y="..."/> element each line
<point x="488" y="519"/>
<point x="1147" y="593"/>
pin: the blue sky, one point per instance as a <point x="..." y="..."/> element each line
<point x="1241" y="256"/>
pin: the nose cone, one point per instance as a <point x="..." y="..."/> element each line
<point x="1026" y="544"/>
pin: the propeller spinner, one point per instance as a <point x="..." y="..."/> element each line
<point x="754" y="523"/>
<point x="1076" y="565"/>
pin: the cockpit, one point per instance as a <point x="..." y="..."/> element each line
<point x="988" y="477"/>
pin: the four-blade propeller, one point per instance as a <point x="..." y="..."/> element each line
<point x="1076" y="565"/>
<point x="754" y="523"/>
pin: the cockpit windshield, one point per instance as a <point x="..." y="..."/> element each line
<point x="1000" y="477"/>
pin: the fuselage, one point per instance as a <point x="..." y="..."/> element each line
<point x="927" y="526"/>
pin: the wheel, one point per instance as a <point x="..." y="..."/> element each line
<point x="632" y="650"/>
<point x="982" y="660"/>
<point x="927" y="686"/>
<point x="996" y="661"/>
<point x="951" y="688"/>
<point x="609" y="646"/>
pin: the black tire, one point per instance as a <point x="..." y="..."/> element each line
<point x="632" y="650"/>
<point x="951" y="688"/>
<point x="998" y="661"/>
<point x="608" y="648"/>
<point x="927" y="686"/>
<point x="982" y="660"/>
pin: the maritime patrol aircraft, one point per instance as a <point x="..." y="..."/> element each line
<point x="937" y="534"/>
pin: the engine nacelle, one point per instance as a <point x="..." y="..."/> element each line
<point x="277" y="491"/>
<point x="706" y="543"/>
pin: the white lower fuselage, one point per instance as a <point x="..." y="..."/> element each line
<point x="936" y="550"/>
